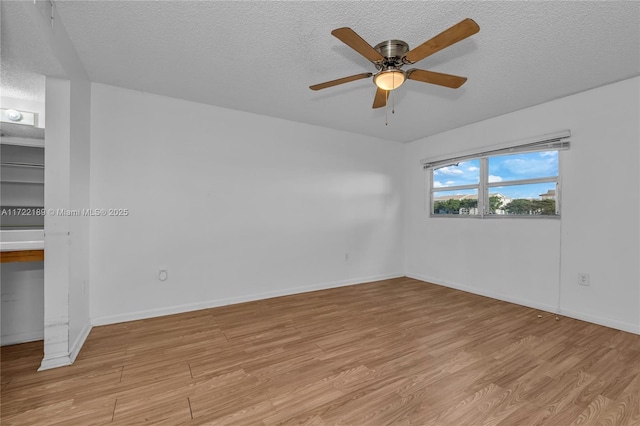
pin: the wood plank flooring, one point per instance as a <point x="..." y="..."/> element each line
<point x="394" y="352"/>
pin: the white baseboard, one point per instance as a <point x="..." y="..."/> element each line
<point x="62" y="360"/>
<point x="54" y="362"/>
<point x="77" y="345"/>
<point x="607" y="322"/>
<point x="595" y="319"/>
<point x="170" y="310"/>
<point x="14" y="339"/>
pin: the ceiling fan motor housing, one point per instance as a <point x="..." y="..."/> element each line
<point x="393" y="52"/>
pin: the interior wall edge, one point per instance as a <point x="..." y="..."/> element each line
<point x="582" y="316"/>
<point x="153" y="313"/>
<point x="79" y="342"/>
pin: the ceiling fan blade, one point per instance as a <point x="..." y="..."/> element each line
<point x="447" y="80"/>
<point x="381" y="98"/>
<point x="340" y="81"/>
<point x="460" y="31"/>
<point x="357" y="43"/>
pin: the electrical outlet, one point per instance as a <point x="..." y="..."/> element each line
<point x="583" y="278"/>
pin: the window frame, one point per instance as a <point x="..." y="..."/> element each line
<point x="483" y="186"/>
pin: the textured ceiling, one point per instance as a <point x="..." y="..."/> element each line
<point x="25" y="59"/>
<point x="262" y="56"/>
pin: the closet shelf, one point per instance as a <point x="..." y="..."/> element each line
<point x="12" y="164"/>
<point x="21" y="182"/>
<point x="21" y="256"/>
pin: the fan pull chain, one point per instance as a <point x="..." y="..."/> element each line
<point x="393" y="97"/>
<point x="386" y="115"/>
<point x="393" y="103"/>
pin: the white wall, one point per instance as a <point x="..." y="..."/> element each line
<point x="56" y="228"/>
<point x="235" y="206"/>
<point x="535" y="262"/>
<point x="79" y="198"/>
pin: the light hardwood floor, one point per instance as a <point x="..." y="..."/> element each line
<point x="392" y="352"/>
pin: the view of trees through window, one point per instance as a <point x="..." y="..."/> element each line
<point x="522" y="184"/>
<point x="520" y="206"/>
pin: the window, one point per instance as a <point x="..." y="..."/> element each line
<point x="455" y="189"/>
<point x="517" y="180"/>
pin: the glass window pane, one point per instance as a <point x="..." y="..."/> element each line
<point x="530" y="199"/>
<point x="529" y="165"/>
<point x="461" y="202"/>
<point x="465" y="173"/>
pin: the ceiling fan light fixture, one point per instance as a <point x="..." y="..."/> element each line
<point x="389" y="79"/>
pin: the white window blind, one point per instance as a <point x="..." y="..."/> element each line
<point x="547" y="142"/>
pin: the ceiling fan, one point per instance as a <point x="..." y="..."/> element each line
<point x="390" y="56"/>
